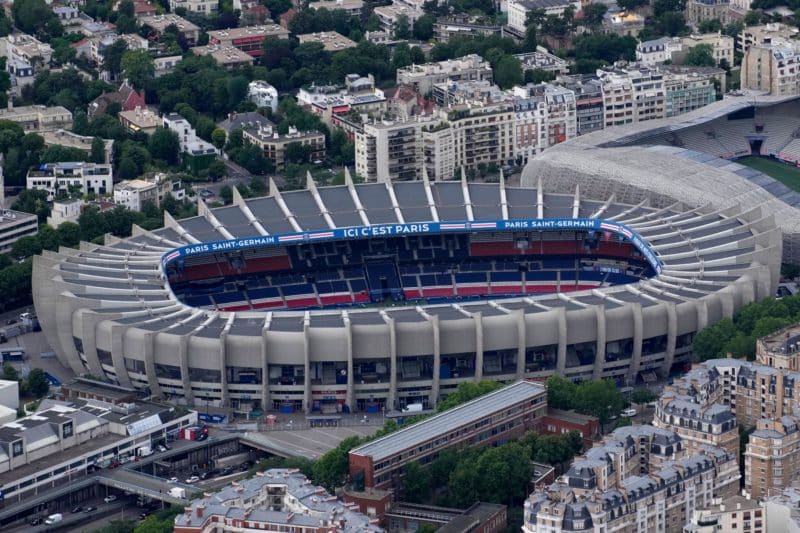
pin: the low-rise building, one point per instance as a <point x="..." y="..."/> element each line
<point x="140" y="119"/>
<point x="690" y="88"/>
<point x="165" y="64"/>
<point x="351" y="7"/>
<point x="623" y="23"/>
<point x="464" y="25"/>
<point x="201" y="7"/>
<point x="697" y="11"/>
<point x="765" y="34"/>
<point x="518" y="10"/>
<point x="275" y="500"/>
<point x="65" y="439"/>
<point x="65" y="211"/>
<point x="721" y="47"/>
<point x="248" y="39"/>
<point x="782" y="508"/>
<point x="736" y="513"/>
<point x="494" y="417"/>
<point x="9" y="394"/>
<point x="38" y="118"/>
<point x="389" y="15"/>
<point x="65" y="177"/>
<point x="81" y="142"/>
<point x="559" y="422"/>
<point x="159" y="23"/>
<point x="21" y="46"/>
<point x="227" y="57"/>
<point x="125" y="98"/>
<point x="197" y="153"/>
<point x="134" y="194"/>
<point x="331" y="40"/>
<point x="244" y="121"/>
<point x="274" y="144"/>
<point x="656" y="51"/>
<point x="541" y="59"/>
<point x="13" y="226"/>
<point x="424" y="77"/>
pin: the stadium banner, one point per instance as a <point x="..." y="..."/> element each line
<point x="416" y="228"/>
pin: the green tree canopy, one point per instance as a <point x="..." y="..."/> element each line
<point x="37" y="383"/>
<point x="701" y="55"/>
<point x="138" y="68"/>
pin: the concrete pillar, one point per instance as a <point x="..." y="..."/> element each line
<point x="118" y="355"/>
<point x="150" y="364"/>
<point x="600" y="355"/>
<point x="350" y="397"/>
<point x="672" y="337"/>
<point x="392" y="399"/>
<point x="636" y="356"/>
<point x="183" y="345"/>
<point x="223" y="369"/>
<point x="437" y="360"/>
<point x="88" y="335"/>
<point x="478" y="317"/>
<point x="306" y="369"/>
<point x="561" y="354"/>
<point x="265" y="403"/>
<point x="520" y="320"/>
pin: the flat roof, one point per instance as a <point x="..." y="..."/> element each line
<point x="264" y="30"/>
<point x="449" y="420"/>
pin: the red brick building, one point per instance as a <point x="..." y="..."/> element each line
<point x="557" y="422"/>
<point x="493" y="418"/>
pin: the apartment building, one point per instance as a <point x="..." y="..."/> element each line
<point x="391" y="150"/>
<point x="13" y="226"/>
<point x="351" y="7"/>
<point x="541" y="59"/>
<point x="632" y="95"/>
<point x="225" y="56"/>
<point x="772" y="67"/>
<point x="159" y="23"/>
<point x="275" y="144"/>
<point x="134" y="194"/>
<point x="737" y="513"/>
<point x="494" y="417"/>
<point x="518" y="10"/>
<point x="690" y="88"/>
<point x="262" y="94"/>
<point x="722" y="46"/>
<point x="330" y="40"/>
<point x="765" y="34"/>
<point x="424" y="77"/>
<point x="26" y="48"/>
<point x="275" y="500"/>
<point x="657" y="51"/>
<point x="782" y="508"/>
<point x="545" y="115"/>
<point x="640" y="479"/>
<point x="780" y="349"/>
<point x="697" y="11"/>
<point x="483" y="133"/>
<point x="56" y="178"/>
<point x="590" y="113"/>
<point x="248" y="39"/>
<point x="81" y="142"/>
<point x="136" y="120"/>
<point x="772" y="457"/>
<point x="38" y="118"/>
<point x="201" y="7"/>
<point x="190" y="142"/>
<point x="463" y="25"/>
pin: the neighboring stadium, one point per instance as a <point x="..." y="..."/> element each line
<point x="603" y="264"/>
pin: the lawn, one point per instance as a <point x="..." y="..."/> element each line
<point x="788" y="175"/>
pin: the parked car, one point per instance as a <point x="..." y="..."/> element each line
<point x="227" y="470"/>
<point x="77" y="509"/>
<point x="629" y="412"/>
<point x="110" y="498"/>
<point x="162" y="448"/>
<point x="193" y="479"/>
<point x="35" y="521"/>
<point x="144" y="515"/>
<point x="89" y="509"/>
<point x="11" y="321"/>
<point x="173" y="479"/>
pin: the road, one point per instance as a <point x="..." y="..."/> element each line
<point x="35" y="344"/>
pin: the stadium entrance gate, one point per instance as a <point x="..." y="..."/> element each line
<point x="383" y="279"/>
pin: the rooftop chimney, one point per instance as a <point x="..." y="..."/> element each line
<point x="199" y="510"/>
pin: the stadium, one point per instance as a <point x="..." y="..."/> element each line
<point x="375" y="296"/>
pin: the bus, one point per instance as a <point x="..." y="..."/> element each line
<point x="16" y="354"/>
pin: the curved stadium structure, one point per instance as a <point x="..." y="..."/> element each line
<point x="380" y="295"/>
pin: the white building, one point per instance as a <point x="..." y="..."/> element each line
<point x="134" y="194"/>
<point x="783" y="511"/>
<point x="772" y="67"/>
<point x="262" y="94"/>
<point x="65" y="211"/>
<point x="187" y="135"/>
<point x="9" y="393"/>
<point x="351" y="7"/>
<point x="203" y="7"/>
<point x="657" y="51"/>
<point x="518" y="10"/>
<point x="15" y="225"/>
<point x="57" y="178"/>
<point x="423" y="77"/>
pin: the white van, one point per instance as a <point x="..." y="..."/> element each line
<point x="54" y="519"/>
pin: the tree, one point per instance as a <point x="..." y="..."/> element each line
<point x="112" y="56"/>
<point x="127" y="169"/>
<point x="98" y="152"/>
<point x="710" y="26"/>
<point x="218" y="137"/>
<point x="331" y="469"/>
<point x="165" y="145"/>
<point x="37" y="383"/>
<point x="560" y="392"/>
<point x="631" y="5"/>
<point x="69" y="234"/>
<point x="508" y="72"/>
<point x="416" y="483"/>
<point x="599" y="398"/>
<point x="752" y="18"/>
<point x="35" y="17"/>
<point x="593" y="14"/>
<point x="9" y="372"/>
<point x="709" y="342"/>
<point x="297" y="153"/>
<point x="138" y="68"/>
<point x="402" y="28"/>
<point x="26" y="247"/>
<point x="33" y="201"/>
<point x="642" y="396"/>
<point x="701" y="55"/>
<point x="423" y="27"/>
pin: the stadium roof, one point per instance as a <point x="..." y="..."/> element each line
<point x="449" y="420"/>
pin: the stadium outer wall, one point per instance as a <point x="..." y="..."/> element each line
<point x="124" y="336"/>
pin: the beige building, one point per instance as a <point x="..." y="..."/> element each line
<point x="632" y="95"/>
<point x="772" y="457"/>
<point x="765" y="34"/>
<point x="424" y="77"/>
<point x="248" y="39"/>
<point x="134" y="194"/>
<point x="721" y="46"/>
<point x="81" y="142"/>
<point x="38" y="118"/>
<point x="23" y="47"/>
<point x="545" y="115"/>
<point x="274" y="144"/>
<point x="159" y="23"/>
<point x="640" y="479"/>
<point x="331" y="40"/>
<point x="227" y="57"/>
<point x="144" y="120"/>
<point x="774" y="68"/>
<point x="736" y="514"/>
<point x="65" y="211"/>
<point x="391" y="150"/>
<point x="780" y="349"/>
<point x="351" y="7"/>
<point x="698" y="11"/>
